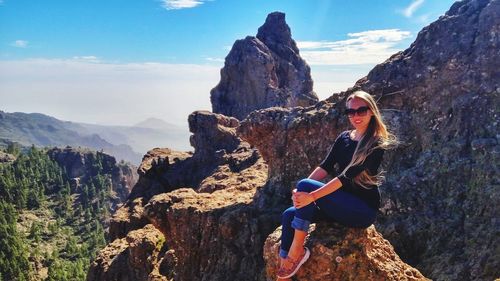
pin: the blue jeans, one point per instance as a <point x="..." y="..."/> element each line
<point x="339" y="206"/>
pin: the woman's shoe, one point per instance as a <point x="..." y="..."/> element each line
<point x="284" y="273"/>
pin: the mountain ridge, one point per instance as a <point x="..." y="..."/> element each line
<point x="124" y="142"/>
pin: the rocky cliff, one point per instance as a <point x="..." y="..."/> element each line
<point x="263" y="71"/>
<point x="82" y="164"/>
<point x="216" y="207"/>
<point x="201" y="203"/>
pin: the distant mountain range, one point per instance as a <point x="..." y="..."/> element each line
<point x="129" y="143"/>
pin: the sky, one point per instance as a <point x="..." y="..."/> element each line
<point x="119" y="62"/>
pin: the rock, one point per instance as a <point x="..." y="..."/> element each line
<point x="214" y="235"/>
<point x="211" y="133"/>
<point x="442" y="187"/>
<point x="219" y="155"/>
<point x="263" y="71"/>
<point x="158" y="157"/>
<point x="339" y="253"/>
<point x="127" y="218"/>
<point x="80" y="165"/>
<point x="6" y="157"/>
<point x="139" y="256"/>
<point x="213" y="226"/>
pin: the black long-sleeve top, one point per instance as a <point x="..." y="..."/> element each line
<point x="341" y="153"/>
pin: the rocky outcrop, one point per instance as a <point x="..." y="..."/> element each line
<point x="187" y="196"/>
<point x="139" y="256"/>
<point x="440" y="97"/>
<point x="6" y="157"/>
<point x="163" y="170"/>
<point x="339" y="253"/>
<point x="263" y="71"/>
<point x="81" y="164"/>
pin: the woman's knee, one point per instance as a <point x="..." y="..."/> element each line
<point x="306" y="185"/>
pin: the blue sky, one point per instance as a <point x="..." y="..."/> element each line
<point x="119" y="62"/>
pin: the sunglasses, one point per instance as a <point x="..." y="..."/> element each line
<point x="362" y="111"/>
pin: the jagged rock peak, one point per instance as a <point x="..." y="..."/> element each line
<point x="276" y="31"/>
<point x="263" y="71"/>
<point x="212" y="132"/>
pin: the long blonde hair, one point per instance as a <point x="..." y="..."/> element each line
<point x="375" y="136"/>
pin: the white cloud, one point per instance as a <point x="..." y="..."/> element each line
<point x="410" y="10"/>
<point x="367" y="47"/>
<point x="92" y="59"/>
<point x="20" y="43"/>
<point x="86" y="90"/>
<point x="180" y="4"/>
<point x="214" y="59"/>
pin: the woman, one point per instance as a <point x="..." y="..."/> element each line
<point x="352" y="198"/>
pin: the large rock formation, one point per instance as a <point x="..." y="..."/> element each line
<point x="440" y="96"/>
<point x="263" y="71"/>
<point x="220" y="180"/>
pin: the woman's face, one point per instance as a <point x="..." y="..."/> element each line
<point x="358" y="113"/>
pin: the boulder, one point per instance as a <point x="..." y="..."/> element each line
<point x="340" y="253"/>
<point x="139" y="256"/>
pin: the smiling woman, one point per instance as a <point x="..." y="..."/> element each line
<point x="352" y="197"/>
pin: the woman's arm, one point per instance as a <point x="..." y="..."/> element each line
<point x="301" y="199"/>
<point x="318" y="174"/>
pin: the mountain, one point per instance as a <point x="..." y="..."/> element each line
<point x="141" y="137"/>
<point x="156" y="123"/>
<point x="124" y="142"/>
<point x="43" y="130"/>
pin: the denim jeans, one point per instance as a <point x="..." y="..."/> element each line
<point x="339" y="206"/>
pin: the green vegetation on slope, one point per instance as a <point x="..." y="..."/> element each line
<point x="49" y="228"/>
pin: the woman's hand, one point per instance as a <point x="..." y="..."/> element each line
<point x="301" y="199"/>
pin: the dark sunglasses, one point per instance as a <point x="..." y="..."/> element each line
<point x="361" y="111"/>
